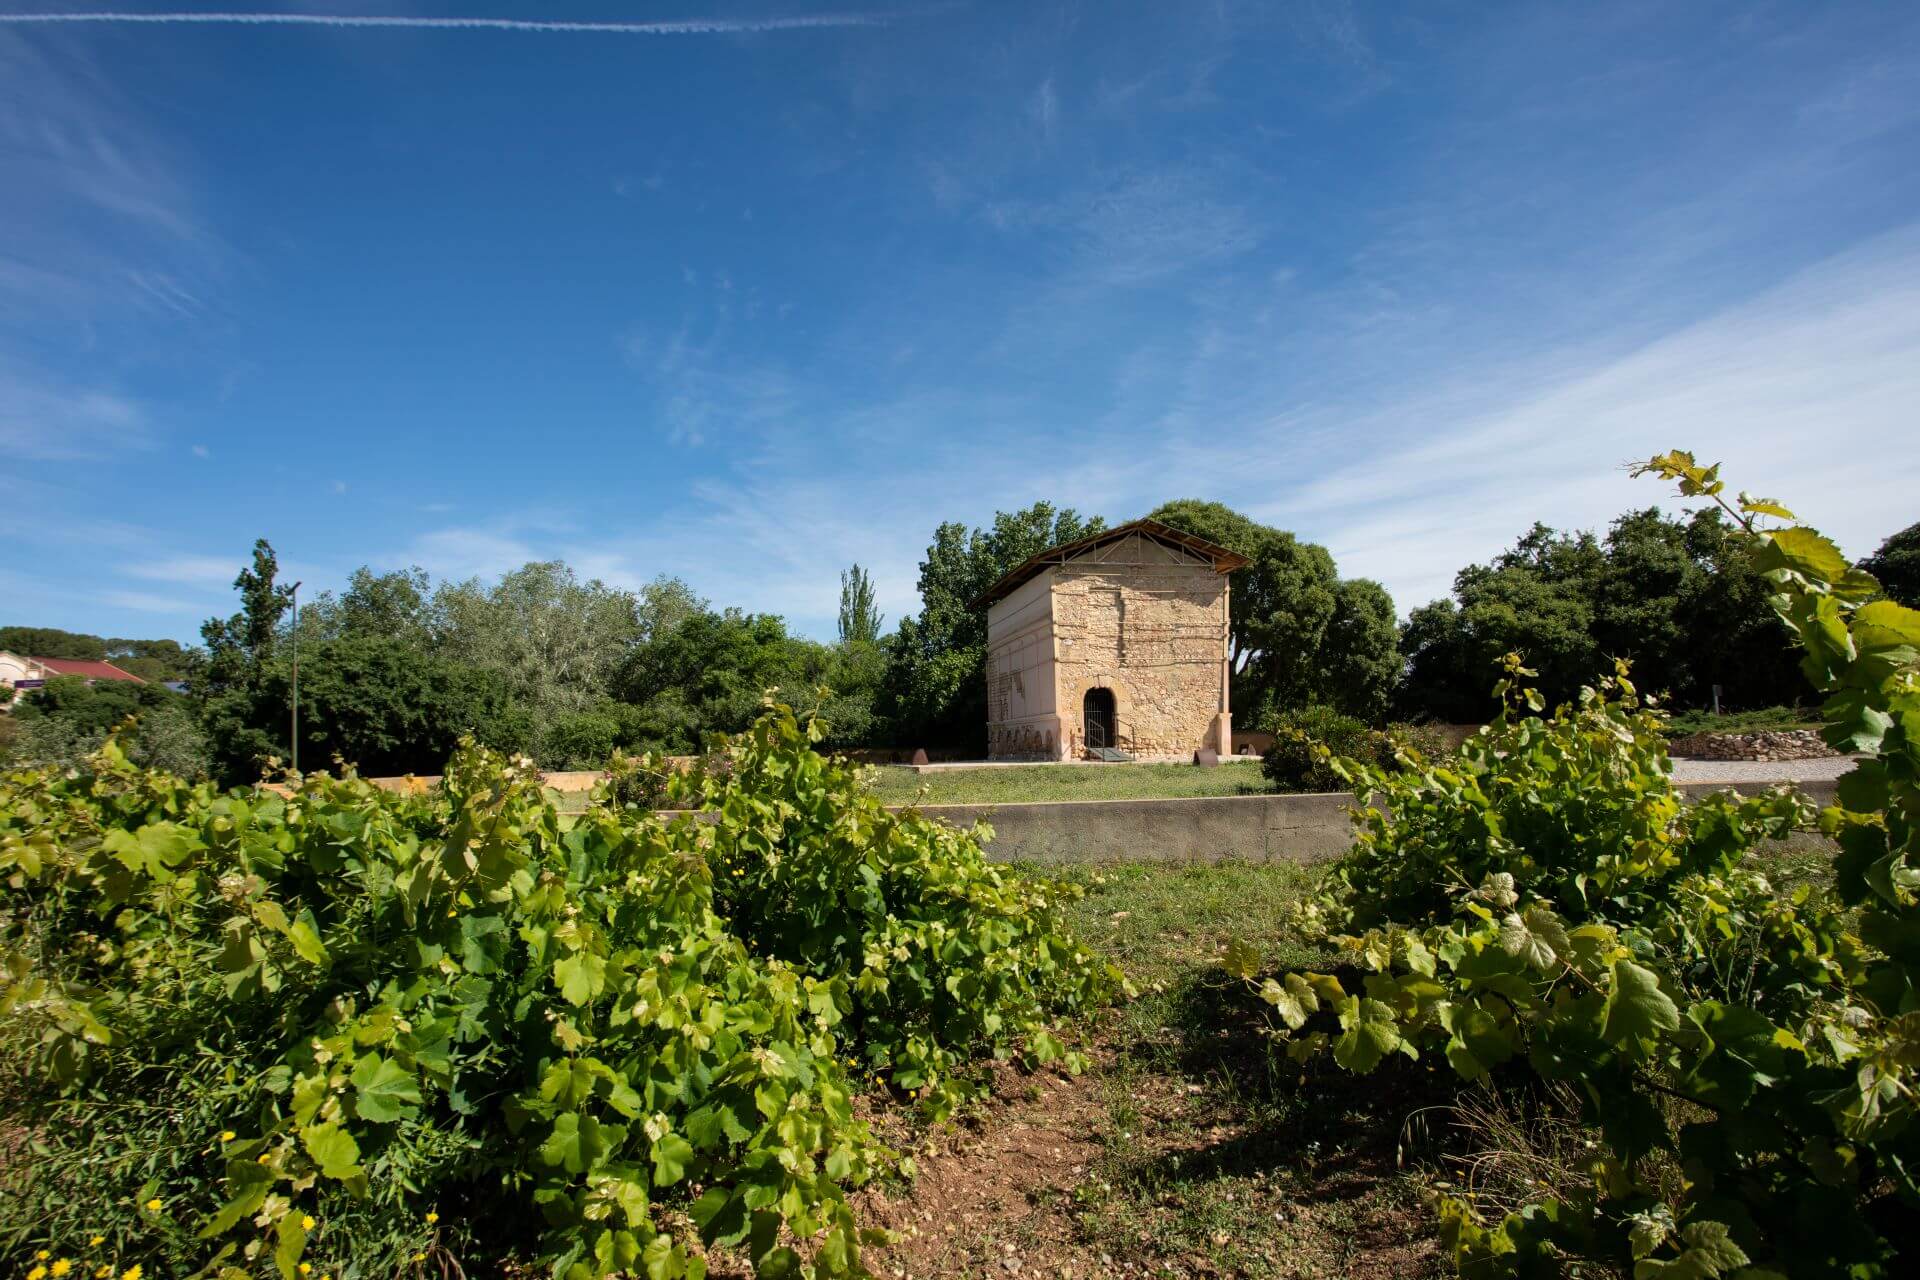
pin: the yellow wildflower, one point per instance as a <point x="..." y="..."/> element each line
<point x="153" y="1205"/>
<point x="419" y="1257"/>
<point x="96" y="1242"/>
<point x="132" y="1273"/>
<point x="228" y="1135"/>
<point x="43" y="1255"/>
<point x="306" y="1268"/>
<point x="38" y="1272"/>
<point x="60" y="1267"/>
<point x="432" y="1218"/>
<point x="102" y="1272"/>
<point x="306" y="1222"/>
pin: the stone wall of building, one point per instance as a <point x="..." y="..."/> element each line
<point x="1149" y="623"/>
<point x="1022" y="721"/>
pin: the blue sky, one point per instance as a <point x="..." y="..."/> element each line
<point x="751" y="302"/>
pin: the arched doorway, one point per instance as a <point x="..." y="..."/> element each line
<point x="1099" y="718"/>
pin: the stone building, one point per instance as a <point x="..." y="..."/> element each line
<point x="1112" y="647"/>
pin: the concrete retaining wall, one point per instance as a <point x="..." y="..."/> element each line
<point x="1292" y="828"/>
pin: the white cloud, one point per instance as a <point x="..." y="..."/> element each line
<point x="203" y="571"/>
<point x="1806" y="392"/>
<point x="43" y="419"/>
<point x="147" y="602"/>
<point x="460" y="552"/>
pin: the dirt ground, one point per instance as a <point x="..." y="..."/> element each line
<point x="1106" y="1175"/>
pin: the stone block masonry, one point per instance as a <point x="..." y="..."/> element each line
<point x="1121" y="643"/>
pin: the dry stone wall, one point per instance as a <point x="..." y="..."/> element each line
<point x="1766" y="744"/>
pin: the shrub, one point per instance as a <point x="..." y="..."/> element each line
<point x="1548" y="909"/>
<point x="256" y="1031"/>
<point x="1687" y="723"/>
<point x="164" y="737"/>
<point x="1306" y="742"/>
<point x="1299" y="758"/>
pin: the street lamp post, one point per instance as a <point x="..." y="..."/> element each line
<point x="296" y="678"/>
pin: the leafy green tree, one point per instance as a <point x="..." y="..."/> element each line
<point x="1896" y="564"/>
<point x="710" y="673"/>
<point x="92" y="707"/>
<point x="388" y="707"/>
<point x="67" y="720"/>
<point x="51" y="642"/>
<point x="859" y="619"/>
<point x="1359" y="658"/>
<point x="665" y="603"/>
<point x="556" y="642"/>
<point x="397" y="604"/>
<point x="154" y="660"/>
<point x="1680" y="598"/>
<point x="244" y="724"/>
<point x="936" y="688"/>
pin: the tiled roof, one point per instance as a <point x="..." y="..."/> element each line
<point x="86" y="670"/>
<point x="1224" y="561"/>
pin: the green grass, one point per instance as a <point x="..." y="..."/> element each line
<point x="1013" y="785"/>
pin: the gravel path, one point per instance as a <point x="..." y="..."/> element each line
<point x="1761" y="770"/>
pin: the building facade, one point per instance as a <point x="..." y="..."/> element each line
<point x="1115" y="646"/>
<point x="23" y="673"/>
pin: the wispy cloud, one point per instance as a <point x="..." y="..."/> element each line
<point x="1803" y="390"/>
<point x="199" y="571"/>
<point x="148" y="602"/>
<point x="699" y="387"/>
<point x="681" y="27"/>
<point x="460" y="552"/>
<point x="46" y="420"/>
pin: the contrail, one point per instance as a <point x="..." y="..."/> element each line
<point x="682" y="27"/>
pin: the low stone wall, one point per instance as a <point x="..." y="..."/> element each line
<point x="1275" y="828"/>
<point x="1764" y="744"/>
<point x="1298" y="828"/>
<point x="1289" y="828"/>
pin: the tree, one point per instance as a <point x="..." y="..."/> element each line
<point x="936" y="691"/>
<point x="68" y="718"/>
<point x="92" y="707"/>
<point x="664" y="604"/>
<point x="709" y="673"/>
<point x="153" y="660"/>
<point x="1679" y="598"/>
<point x="1359" y="652"/>
<point x="859" y="619"/>
<point x="244" y="723"/>
<point x="51" y="642"/>
<point x="557" y="642"/>
<point x="1896" y="564"/>
<point x="386" y="706"/>
<point x="397" y="604"/>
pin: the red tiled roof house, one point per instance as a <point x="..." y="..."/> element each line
<point x="17" y="672"/>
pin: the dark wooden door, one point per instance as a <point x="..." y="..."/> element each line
<point x="1098" y="716"/>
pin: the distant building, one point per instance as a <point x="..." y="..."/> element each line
<point x="1112" y="647"/>
<point x="18" y="673"/>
